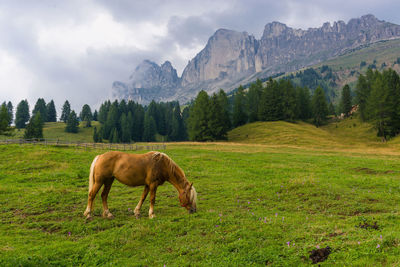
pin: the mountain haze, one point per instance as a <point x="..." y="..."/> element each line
<point x="231" y="58"/>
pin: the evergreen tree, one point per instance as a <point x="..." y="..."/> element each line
<point x="40" y="106"/>
<point x="114" y="136"/>
<point x="319" y="106"/>
<point x="216" y="121"/>
<point x="239" y="108"/>
<point x="95" y="135"/>
<point x="289" y="101"/>
<point x="34" y="128"/>
<point x="112" y="122"/>
<point x="346" y="100"/>
<point x="177" y="127"/>
<point x="22" y="114"/>
<point x="199" y="115"/>
<point x="103" y="112"/>
<point x="72" y="123"/>
<point x="363" y="90"/>
<point x="392" y="81"/>
<point x="303" y="102"/>
<point x="378" y="107"/>
<point x="95" y="114"/>
<point x="125" y="129"/>
<point x="10" y="110"/>
<point x="138" y="125"/>
<point x="4" y="120"/>
<point x="253" y="99"/>
<point x="86" y="115"/>
<point x="225" y="116"/>
<point x="331" y="109"/>
<point x="149" y="130"/>
<point x="51" y="112"/>
<point x="65" y="112"/>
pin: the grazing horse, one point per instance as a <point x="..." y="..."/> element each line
<point x="151" y="170"/>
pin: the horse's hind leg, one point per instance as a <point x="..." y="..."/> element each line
<point x="104" y="195"/>
<point x="91" y="197"/>
<point x="139" y="205"/>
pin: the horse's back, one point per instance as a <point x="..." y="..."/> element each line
<point x="130" y="169"/>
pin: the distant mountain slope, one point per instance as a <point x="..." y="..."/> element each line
<point x="231" y="58"/>
<point x="333" y="74"/>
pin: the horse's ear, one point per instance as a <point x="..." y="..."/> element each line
<point x="191" y="184"/>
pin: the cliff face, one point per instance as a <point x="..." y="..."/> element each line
<point x="231" y="58"/>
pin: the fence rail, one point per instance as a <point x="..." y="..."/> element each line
<point x="107" y="146"/>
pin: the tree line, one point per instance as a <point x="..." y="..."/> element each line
<point x="123" y="122"/>
<point x="211" y="117"/>
<point x="41" y="113"/>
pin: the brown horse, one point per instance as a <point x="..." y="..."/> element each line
<point x="151" y="170"/>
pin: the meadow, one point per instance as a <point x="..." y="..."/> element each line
<point x="271" y="195"/>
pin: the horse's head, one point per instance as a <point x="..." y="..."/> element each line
<point x="188" y="198"/>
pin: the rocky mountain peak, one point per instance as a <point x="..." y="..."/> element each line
<point x="274" y="29"/>
<point x="231" y="58"/>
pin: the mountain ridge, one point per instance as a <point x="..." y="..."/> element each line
<point x="231" y="58"/>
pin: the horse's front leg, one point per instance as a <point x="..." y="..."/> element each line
<point x="139" y="205"/>
<point x="153" y="190"/>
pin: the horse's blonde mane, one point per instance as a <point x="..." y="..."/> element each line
<point x="173" y="167"/>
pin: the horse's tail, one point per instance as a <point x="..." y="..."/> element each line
<point x="91" y="175"/>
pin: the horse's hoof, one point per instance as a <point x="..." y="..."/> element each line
<point x="89" y="218"/>
<point x="137" y="215"/>
<point x="152" y="216"/>
<point x="108" y="215"/>
<point x="86" y="213"/>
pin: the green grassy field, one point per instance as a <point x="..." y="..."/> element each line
<point x="269" y="198"/>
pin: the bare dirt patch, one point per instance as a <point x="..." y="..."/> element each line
<point x="320" y="255"/>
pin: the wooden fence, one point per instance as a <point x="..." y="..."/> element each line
<point x="106" y="146"/>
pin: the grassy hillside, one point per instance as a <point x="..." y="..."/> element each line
<point x="56" y="130"/>
<point x="348" y="134"/>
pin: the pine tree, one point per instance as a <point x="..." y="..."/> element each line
<point x="216" y="121"/>
<point x="149" y="130"/>
<point x="66" y="110"/>
<point x="289" y="101"/>
<point x="114" y="136"/>
<point x="86" y="115"/>
<point x="34" y="128"/>
<point x="4" y="120"/>
<point x="303" y="102"/>
<point x="138" y="125"/>
<point x="239" y="115"/>
<point x="10" y="110"/>
<point x="22" y="114"/>
<point x="125" y="130"/>
<point x="95" y="135"/>
<point x="95" y="114"/>
<point x="199" y="115"/>
<point x="51" y="112"/>
<point x="378" y="107"/>
<point x="346" y="100"/>
<point x="112" y="122"/>
<point x="72" y="123"/>
<point x="177" y="127"/>
<point x="40" y="106"/>
<point x="253" y="99"/>
<point x="225" y="116"/>
<point x="103" y="111"/>
<point x="319" y="106"/>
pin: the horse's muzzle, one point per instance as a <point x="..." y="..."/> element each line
<point x="192" y="210"/>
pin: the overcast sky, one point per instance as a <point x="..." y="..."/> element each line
<point x="75" y="49"/>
